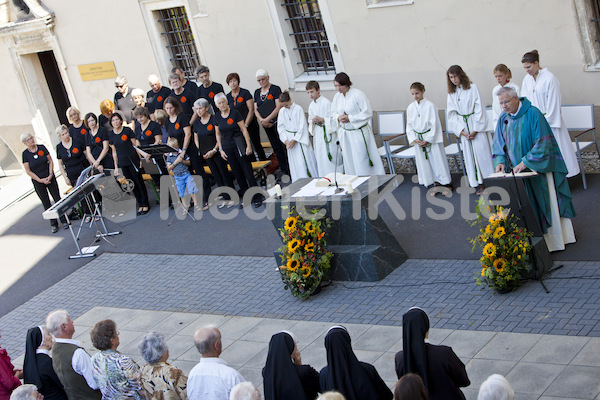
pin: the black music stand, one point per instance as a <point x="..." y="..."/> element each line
<point x="157" y="151"/>
<point x="520" y="204"/>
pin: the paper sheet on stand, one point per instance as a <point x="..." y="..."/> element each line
<point x="312" y="190"/>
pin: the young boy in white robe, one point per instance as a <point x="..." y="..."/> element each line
<point x="424" y="132"/>
<point x="323" y="128"/>
<point x="293" y="132"/>
<point x="467" y="119"/>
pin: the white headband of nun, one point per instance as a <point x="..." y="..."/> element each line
<point x="291" y="334"/>
<point x="337" y="327"/>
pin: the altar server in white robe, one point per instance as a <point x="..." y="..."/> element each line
<point x="467" y="119"/>
<point x="541" y="87"/>
<point x="293" y="132"/>
<point x="503" y="75"/>
<point x="352" y="111"/>
<point x="424" y="132"/>
<point x="322" y="126"/>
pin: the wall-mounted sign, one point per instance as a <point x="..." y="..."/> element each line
<point x="93" y="72"/>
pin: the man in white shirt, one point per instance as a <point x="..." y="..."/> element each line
<point x="211" y="378"/>
<point x="70" y="361"/>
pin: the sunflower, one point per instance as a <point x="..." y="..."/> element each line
<point x="483" y="270"/>
<point x="493" y="219"/>
<point x="489" y="229"/>
<point x="308" y="271"/>
<point x="293" y="245"/>
<point x="290" y="223"/>
<point x="489" y="250"/>
<point x="499" y="232"/>
<point x="499" y="264"/>
<point x="320" y="235"/>
<point x="309" y="227"/>
<point x="292" y="264"/>
<point x="309" y="247"/>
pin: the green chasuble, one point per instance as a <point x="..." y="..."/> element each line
<point x="528" y="138"/>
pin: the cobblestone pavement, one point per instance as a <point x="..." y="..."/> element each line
<point x="251" y="287"/>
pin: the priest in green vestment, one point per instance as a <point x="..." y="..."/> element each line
<point x="523" y="139"/>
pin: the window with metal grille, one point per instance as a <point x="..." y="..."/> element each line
<point x="310" y="36"/>
<point x="178" y="39"/>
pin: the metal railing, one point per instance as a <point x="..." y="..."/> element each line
<point x="179" y="39"/>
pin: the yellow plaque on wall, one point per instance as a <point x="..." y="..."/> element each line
<point x="93" y="72"/>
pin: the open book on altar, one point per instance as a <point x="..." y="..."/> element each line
<point x="510" y="175"/>
<point x="342" y="179"/>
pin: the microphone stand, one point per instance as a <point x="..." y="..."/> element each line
<point x="337" y="155"/>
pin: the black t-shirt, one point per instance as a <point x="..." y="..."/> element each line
<point x="95" y="142"/>
<point x="186" y="99"/>
<point x="147" y="137"/>
<point x="125" y="104"/>
<point x="126" y="154"/>
<point x="103" y="122"/>
<point x="78" y="134"/>
<point x="272" y="94"/>
<point x="154" y="101"/>
<point x="239" y="103"/>
<point x="209" y="93"/>
<point x="191" y="86"/>
<point x="38" y="161"/>
<point x="72" y="158"/>
<point x="229" y="127"/>
<point x="175" y="129"/>
<point x="206" y="134"/>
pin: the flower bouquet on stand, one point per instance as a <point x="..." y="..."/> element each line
<point x="505" y="249"/>
<point x="304" y="255"/>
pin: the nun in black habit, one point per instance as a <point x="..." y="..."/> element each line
<point x="440" y="368"/>
<point x="284" y="376"/>
<point x="37" y="366"/>
<point x="354" y="379"/>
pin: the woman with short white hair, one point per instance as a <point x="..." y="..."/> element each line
<point x="160" y="379"/>
<point x="26" y="392"/>
<point x="496" y="387"/>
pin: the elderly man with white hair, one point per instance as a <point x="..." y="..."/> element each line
<point x="211" y="378"/>
<point x="156" y="95"/>
<point x="496" y="387"/>
<point x="244" y="391"/>
<point x="26" y="392"/>
<point x="70" y="361"/>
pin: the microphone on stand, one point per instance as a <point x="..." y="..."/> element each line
<point x="337" y="156"/>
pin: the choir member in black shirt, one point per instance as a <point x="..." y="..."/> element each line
<point x="443" y="373"/>
<point x="189" y="85"/>
<point x="124" y="99"/>
<point x="107" y="107"/>
<point x="284" y="375"/>
<point x="207" y="89"/>
<point x="354" y="379"/>
<point x="234" y="142"/>
<point x="77" y="129"/>
<point x="38" y="164"/>
<point x="70" y="155"/>
<point x="156" y="95"/>
<point x="268" y="93"/>
<point x="185" y="97"/>
<point x="147" y="132"/>
<point x="97" y="146"/>
<point x="204" y="130"/>
<point x="241" y="100"/>
<point x="126" y="158"/>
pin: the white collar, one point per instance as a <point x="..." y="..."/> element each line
<point x="516" y="112"/>
<point x="42" y="351"/>
<point x="68" y="341"/>
<point x="215" y="360"/>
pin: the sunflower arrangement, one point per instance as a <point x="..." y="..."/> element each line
<point x="505" y="249"/>
<point x="305" y="259"/>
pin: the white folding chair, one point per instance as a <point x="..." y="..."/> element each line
<point x="391" y="126"/>
<point x="580" y="118"/>
<point x="453" y="149"/>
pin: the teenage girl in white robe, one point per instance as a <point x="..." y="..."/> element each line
<point x="467" y="118"/>
<point x="541" y="87"/>
<point x="352" y="111"/>
<point x="503" y="76"/>
<point x="323" y="128"/>
<point x="424" y="132"/>
<point x="293" y="132"/>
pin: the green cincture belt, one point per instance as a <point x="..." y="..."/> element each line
<point x="420" y="134"/>
<point x="327" y="142"/>
<point x="364" y="140"/>
<point x="466" y="119"/>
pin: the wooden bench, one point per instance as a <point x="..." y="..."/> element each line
<point x="148" y="178"/>
<point x="259" y="168"/>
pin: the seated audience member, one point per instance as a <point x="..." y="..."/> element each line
<point x="26" y="392"/>
<point x="156" y="95"/>
<point x="211" y="378"/>
<point x="354" y="379"/>
<point x="284" y="376"/>
<point x="118" y="376"/>
<point x="9" y="375"/>
<point x="410" y="387"/>
<point x="440" y="368"/>
<point x="124" y="98"/>
<point x="37" y="365"/>
<point x="244" y="391"/>
<point x="70" y="361"/>
<point x="331" y="395"/>
<point x="160" y="380"/>
<point x="496" y="387"/>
